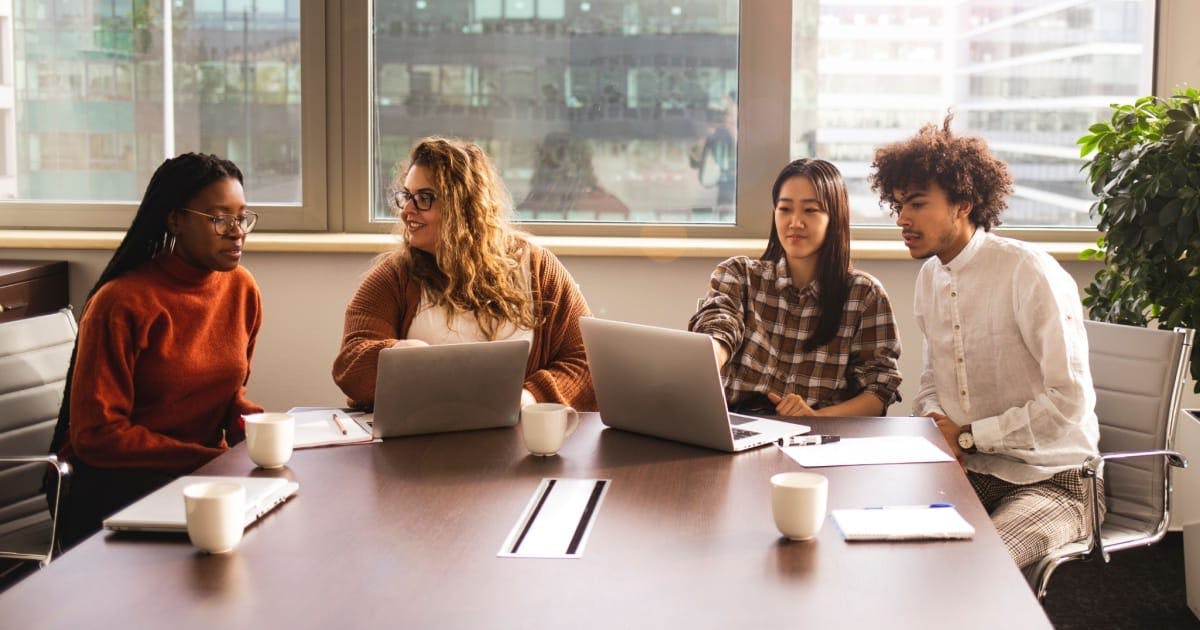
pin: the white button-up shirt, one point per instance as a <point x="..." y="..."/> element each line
<point x="1006" y="352"/>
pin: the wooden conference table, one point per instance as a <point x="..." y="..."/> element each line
<point x="405" y="533"/>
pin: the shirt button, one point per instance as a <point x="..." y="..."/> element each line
<point x="954" y="294"/>
<point x="956" y="327"/>
<point x="960" y="360"/>
<point x="963" y="392"/>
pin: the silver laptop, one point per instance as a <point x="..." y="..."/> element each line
<point x="666" y="383"/>
<point x="162" y="510"/>
<point x="450" y="387"/>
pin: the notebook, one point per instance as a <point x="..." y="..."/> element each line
<point x="450" y="387"/>
<point x="162" y="510"/>
<point x="666" y="383"/>
<point x="316" y="427"/>
<point x="935" y="522"/>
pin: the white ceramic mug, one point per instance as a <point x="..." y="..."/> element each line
<point x="545" y="425"/>
<point x="798" y="501"/>
<point x="269" y="438"/>
<point x="216" y="513"/>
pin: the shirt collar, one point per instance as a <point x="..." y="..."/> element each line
<point x="968" y="252"/>
<point x="783" y="279"/>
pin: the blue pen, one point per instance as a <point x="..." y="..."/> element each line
<point x="910" y="507"/>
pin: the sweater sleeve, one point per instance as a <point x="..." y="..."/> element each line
<point x="235" y="430"/>
<point x="562" y="373"/>
<point x="372" y="323"/>
<point x="102" y="394"/>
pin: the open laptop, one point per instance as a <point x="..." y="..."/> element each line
<point x="162" y="510"/>
<point x="450" y="387"/>
<point x="666" y="383"/>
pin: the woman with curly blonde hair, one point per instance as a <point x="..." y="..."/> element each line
<point x="463" y="273"/>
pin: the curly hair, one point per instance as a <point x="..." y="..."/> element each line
<point x="962" y="166"/>
<point x="478" y="265"/>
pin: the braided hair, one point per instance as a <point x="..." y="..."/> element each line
<point x="173" y="184"/>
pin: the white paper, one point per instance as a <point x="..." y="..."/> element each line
<point x="897" y="449"/>
<point x="315" y="427"/>
<point x="902" y="523"/>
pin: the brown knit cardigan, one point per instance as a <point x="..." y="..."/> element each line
<point x="382" y="310"/>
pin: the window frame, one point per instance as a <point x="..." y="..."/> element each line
<point x="313" y="211"/>
<point x="761" y="150"/>
<point x="337" y="164"/>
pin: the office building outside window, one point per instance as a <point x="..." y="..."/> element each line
<point x="1029" y="76"/>
<point x="594" y="111"/>
<point x="99" y="98"/>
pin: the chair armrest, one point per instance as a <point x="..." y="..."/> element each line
<point x="1174" y="458"/>
<point x="1091" y="470"/>
<point x="62" y="469"/>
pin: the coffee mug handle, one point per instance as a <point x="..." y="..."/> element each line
<point x="572" y="420"/>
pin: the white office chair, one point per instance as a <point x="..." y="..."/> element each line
<point x="34" y="354"/>
<point x="1139" y="374"/>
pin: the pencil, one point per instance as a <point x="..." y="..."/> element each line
<point x="338" y="423"/>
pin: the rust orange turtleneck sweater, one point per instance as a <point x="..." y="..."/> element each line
<point x="163" y="359"/>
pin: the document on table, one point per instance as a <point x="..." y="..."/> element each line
<point x="315" y="426"/>
<point x="892" y="449"/>
<point x="933" y="522"/>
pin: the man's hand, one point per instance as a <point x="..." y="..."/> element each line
<point x="950" y="430"/>
<point x="790" y="405"/>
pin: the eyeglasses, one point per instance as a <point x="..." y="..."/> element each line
<point x="422" y="198"/>
<point x="223" y="223"/>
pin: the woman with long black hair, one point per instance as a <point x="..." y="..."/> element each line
<point x="157" y="382"/>
<point x="800" y="331"/>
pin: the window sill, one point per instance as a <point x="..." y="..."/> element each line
<point x="641" y="247"/>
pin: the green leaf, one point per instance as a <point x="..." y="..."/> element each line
<point x="1170" y="212"/>
<point x="1178" y="114"/>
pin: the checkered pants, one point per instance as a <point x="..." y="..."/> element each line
<point x="1034" y="518"/>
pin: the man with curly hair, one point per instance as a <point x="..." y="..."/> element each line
<point x="1006" y="375"/>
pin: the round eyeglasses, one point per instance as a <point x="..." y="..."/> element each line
<point x="224" y="223"/>
<point x="422" y="198"/>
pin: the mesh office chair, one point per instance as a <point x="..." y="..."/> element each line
<point x="1138" y="374"/>
<point x="34" y="354"/>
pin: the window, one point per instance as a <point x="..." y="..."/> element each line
<point x="1028" y="76"/>
<point x="98" y="103"/>
<point x="603" y="111"/>
<point x="606" y="117"/>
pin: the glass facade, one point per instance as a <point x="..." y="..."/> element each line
<point x="89" y="93"/>
<point x="1028" y="76"/>
<point x="594" y="111"/>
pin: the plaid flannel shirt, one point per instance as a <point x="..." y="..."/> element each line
<point x="755" y="311"/>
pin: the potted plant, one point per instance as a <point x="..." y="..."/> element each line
<point x="1146" y="177"/>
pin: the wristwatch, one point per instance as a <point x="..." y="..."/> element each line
<point x="966" y="440"/>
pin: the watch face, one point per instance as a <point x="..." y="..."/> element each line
<point x="966" y="440"/>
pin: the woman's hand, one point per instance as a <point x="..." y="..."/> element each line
<point x="409" y="343"/>
<point x="790" y="405"/>
<point x="721" y="352"/>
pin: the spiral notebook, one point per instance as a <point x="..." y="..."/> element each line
<point x="925" y="522"/>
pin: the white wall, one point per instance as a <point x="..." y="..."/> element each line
<point x="305" y="294"/>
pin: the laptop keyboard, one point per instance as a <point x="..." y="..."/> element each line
<point x="742" y="433"/>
